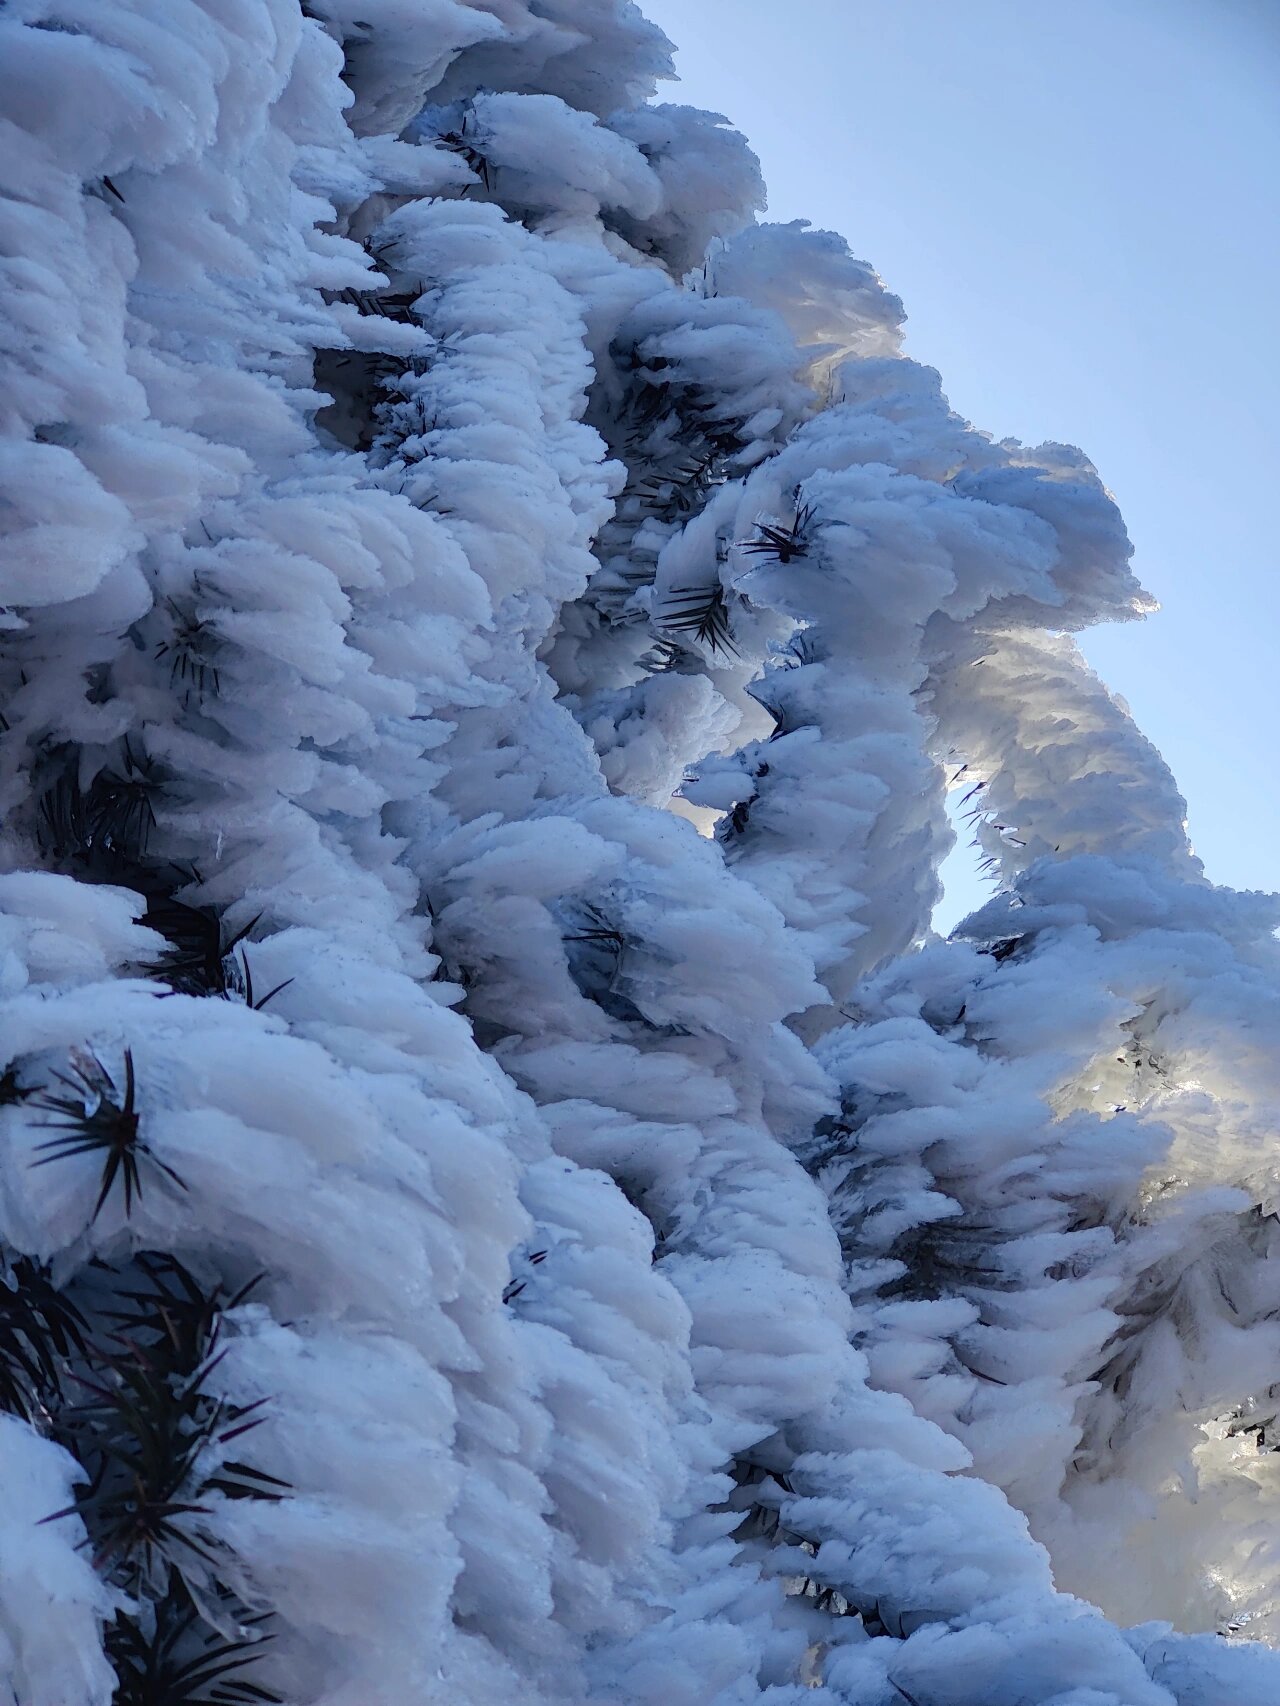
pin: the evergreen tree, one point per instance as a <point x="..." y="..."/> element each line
<point x="467" y="1235"/>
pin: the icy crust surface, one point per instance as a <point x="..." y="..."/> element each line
<point x="631" y="1265"/>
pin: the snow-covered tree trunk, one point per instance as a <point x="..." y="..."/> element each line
<point x="467" y="1235"/>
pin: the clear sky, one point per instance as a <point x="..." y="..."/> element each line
<point x="1077" y="202"/>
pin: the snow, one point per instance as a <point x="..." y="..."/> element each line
<point x="651" y="1267"/>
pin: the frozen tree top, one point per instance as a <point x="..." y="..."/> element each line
<point x="503" y="1195"/>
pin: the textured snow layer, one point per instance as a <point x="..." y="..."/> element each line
<point x="684" y="1278"/>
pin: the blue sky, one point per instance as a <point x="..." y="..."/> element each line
<point x="1078" y="205"/>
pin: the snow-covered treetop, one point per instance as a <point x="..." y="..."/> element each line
<point x="503" y="1195"/>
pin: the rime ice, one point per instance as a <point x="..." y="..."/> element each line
<point x="467" y="1236"/>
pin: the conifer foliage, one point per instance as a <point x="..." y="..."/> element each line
<point x="465" y="1234"/>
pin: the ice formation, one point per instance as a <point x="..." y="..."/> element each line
<point x="469" y="1236"/>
